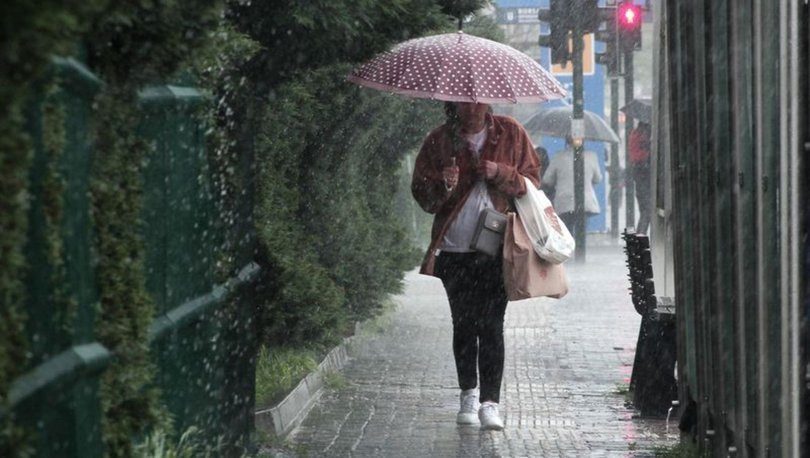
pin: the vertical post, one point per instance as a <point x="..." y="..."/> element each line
<point x="629" y="197"/>
<point x="615" y="169"/>
<point x="577" y="132"/>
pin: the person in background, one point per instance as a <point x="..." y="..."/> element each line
<point x="475" y="160"/>
<point x="560" y="176"/>
<point x="639" y="155"/>
<point x="542" y="156"/>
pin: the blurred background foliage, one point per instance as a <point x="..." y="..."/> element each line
<point x="328" y="174"/>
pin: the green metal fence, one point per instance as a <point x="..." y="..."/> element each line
<point x="735" y="118"/>
<point x="202" y="339"/>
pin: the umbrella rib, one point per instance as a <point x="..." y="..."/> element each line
<point x="551" y="122"/>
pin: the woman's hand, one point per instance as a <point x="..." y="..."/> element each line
<point x="488" y="169"/>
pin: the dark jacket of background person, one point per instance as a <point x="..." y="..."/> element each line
<point x="542" y="156"/>
<point x="507" y="144"/>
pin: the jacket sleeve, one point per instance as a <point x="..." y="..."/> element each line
<point x="427" y="183"/>
<point x="550" y="177"/>
<point x="509" y="179"/>
<point x="597" y="174"/>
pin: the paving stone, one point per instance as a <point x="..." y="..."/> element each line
<point x="565" y="363"/>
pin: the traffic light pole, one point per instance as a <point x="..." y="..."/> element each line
<point x="577" y="131"/>
<point x="629" y="183"/>
<point x="615" y="169"/>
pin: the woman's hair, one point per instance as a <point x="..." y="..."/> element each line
<point x="453" y="122"/>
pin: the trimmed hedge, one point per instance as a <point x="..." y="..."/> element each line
<point x="329" y="156"/>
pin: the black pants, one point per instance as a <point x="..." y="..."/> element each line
<point x="569" y="219"/>
<point x="474" y="285"/>
<point x="641" y="180"/>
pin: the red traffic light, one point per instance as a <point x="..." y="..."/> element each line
<point x="629" y="15"/>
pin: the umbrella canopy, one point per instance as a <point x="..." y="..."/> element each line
<point x="556" y="122"/>
<point x="456" y="67"/>
<point x="640" y="108"/>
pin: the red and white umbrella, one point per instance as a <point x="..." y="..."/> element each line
<point x="457" y="67"/>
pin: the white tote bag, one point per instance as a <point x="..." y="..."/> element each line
<point x="550" y="238"/>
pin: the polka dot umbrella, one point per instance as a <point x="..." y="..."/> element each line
<point x="457" y="67"/>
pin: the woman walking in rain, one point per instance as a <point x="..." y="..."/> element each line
<point x="475" y="160"/>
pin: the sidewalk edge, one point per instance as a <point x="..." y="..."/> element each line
<point x="285" y="416"/>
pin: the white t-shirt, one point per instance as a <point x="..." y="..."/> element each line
<point x="461" y="231"/>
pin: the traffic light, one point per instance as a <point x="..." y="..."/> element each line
<point x="610" y="57"/>
<point x="591" y="15"/>
<point x="629" y="17"/>
<point x="604" y="24"/>
<point x="557" y="17"/>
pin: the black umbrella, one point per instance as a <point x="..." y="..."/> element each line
<point x="556" y="122"/>
<point x="640" y="109"/>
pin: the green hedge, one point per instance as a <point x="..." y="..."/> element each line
<point x="329" y="161"/>
<point x="133" y="44"/>
<point x="30" y="32"/>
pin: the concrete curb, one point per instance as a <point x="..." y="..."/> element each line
<point x="287" y="414"/>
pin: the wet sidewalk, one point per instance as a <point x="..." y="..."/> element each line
<point x="568" y="363"/>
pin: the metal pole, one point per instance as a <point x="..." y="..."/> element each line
<point x="629" y="199"/>
<point x="577" y="130"/>
<point x="615" y="169"/>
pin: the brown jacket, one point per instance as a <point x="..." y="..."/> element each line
<point x="507" y="144"/>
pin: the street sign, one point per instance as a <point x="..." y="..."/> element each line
<point x="523" y="15"/>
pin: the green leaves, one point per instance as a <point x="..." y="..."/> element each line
<point x="298" y="35"/>
<point x="329" y="158"/>
<point x="462" y="8"/>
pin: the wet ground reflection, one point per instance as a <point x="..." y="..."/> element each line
<point x="568" y="363"/>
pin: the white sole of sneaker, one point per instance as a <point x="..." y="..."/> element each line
<point x="467" y="419"/>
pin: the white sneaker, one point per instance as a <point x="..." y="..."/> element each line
<point x="488" y="414"/>
<point x="469" y="406"/>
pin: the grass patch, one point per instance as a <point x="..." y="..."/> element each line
<point x="622" y="389"/>
<point x="334" y="380"/>
<point x="278" y="371"/>
<point x="191" y="444"/>
<point x="680" y="450"/>
<point x="271" y="446"/>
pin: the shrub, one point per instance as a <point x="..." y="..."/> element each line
<point x="329" y="156"/>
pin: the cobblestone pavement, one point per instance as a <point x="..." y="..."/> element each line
<point x="567" y="363"/>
